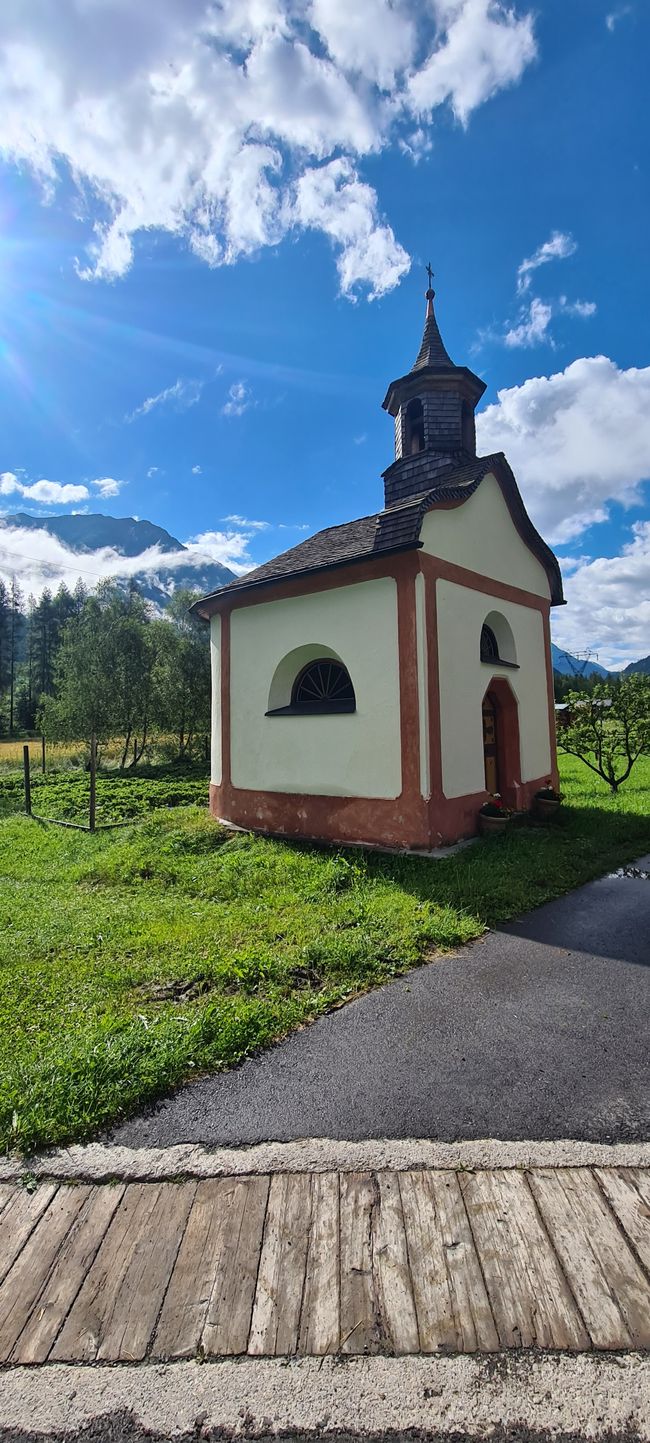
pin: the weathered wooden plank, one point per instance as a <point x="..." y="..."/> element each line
<point x="360" y="1322"/>
<point x="199" y="1258"/>
<point x="531" y="1302"/>
<point x="76" y="1256"/>
<point x="19" y="1218"/>
<point x="320" y="1315"/>
<point x="237" y="1257"/>
<point x="280" y="1281"/>
<point x="391" y="1272"/>
<point x="24" y="1281"/>
<point x="603" y="1273"/>
<point x="7" y="1190"/>
<point x="451" y="1302"/>
<point x="627" y="1190"/>
<point x="116" y="1309"/>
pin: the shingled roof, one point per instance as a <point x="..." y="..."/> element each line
<point x="397" y="528"/>
<point x="432" y="350"/>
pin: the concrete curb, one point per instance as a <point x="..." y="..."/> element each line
<point x="588" y="1395"/>
<point x="99" y="1162"/>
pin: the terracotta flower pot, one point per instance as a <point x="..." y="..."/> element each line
<point x="492" y="826"/>
<point x="546" y="806"/>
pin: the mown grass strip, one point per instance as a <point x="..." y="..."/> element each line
<point x="131" y="960"/>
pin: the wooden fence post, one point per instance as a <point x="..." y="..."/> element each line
<point x="43" y="753"/>
<point x="28" y="783"/>
<point x="93" y="781"/>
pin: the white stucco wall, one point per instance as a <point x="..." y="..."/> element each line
<point x="215" y="659"/>
<point x="423" y="684"/>
<point x="464" y="679"/>
<point x="482" y="536"/>
<point x="356" y="754"/>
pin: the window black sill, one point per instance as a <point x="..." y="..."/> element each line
<point x="498" y="661"/>
<point x="327" y="709"/>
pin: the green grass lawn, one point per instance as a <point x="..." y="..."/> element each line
<point x="134" y="959"/>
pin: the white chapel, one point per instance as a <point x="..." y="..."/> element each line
<point x="378" y="681"/>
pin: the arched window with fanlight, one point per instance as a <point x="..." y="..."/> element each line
<point x="323" y="686"/>
<point x="311" y="681"/>
<point x="414" y="427"/>
<point x="489" y="647"/>
<point x="497" y="644"/>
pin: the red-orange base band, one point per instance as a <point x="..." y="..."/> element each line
<point x="408" y="821"/>
<point x="373" y="821"/>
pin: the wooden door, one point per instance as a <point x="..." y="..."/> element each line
<point x="490" y="745"/>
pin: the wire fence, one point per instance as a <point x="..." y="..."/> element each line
<point x="95" y="798"/>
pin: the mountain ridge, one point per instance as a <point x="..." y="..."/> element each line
<point x="87" y="533"/>
<point x="81" y="532"/>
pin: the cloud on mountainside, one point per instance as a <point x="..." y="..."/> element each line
<point x="40" y="560"/>
<point x="233" y="125"/>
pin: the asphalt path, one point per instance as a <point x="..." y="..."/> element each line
<point x="539" y="1030"/>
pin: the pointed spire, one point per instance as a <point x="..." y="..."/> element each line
<point x="432" y="351"/>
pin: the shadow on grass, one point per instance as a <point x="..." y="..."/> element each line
<point x="501" y="878"/>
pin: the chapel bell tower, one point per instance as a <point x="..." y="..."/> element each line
<point x="433" y="406"/>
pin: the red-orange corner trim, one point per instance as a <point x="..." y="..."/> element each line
<point x="409" y="821"/>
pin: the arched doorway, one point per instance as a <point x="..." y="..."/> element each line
<point x="501" y="750"/>
<point x="490" y="758"/>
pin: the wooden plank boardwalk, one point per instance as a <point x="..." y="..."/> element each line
<point x="329" y="1263"/>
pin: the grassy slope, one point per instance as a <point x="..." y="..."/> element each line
<point x="264" y="934"/>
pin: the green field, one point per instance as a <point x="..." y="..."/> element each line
<point x="134" y="959"/>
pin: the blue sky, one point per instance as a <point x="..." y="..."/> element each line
<point x="213" y="225"/>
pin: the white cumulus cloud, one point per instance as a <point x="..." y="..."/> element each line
<point x="577" y="441"/>
<point x="49" y="493"/>
<point x="240" y="398"/>
<point x="532" y="327"/>
<point x="556" y="248"/>
<point x="331" y="198"/>
<point x="204" y="119"/>
<point x="248" y="525"/>
<point x="614" y="16"/>
<point x="376" y="38"/>
<point x="56" y="493"/>
<point x="482" y="46"/>
<point x="106" y="486"/>
<point x="609" y="604"/>
<point x="182" y="395"/>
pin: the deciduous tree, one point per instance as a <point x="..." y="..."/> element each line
<point x="610" y="729"/>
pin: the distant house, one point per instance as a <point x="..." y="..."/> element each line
<point x="376" y="682"/>
<point x="565" y="712"/>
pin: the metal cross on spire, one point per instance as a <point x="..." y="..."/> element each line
<point x="430" y="275"/>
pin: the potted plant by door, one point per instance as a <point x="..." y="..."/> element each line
<point x="493" y="816"/>
<point x="547" y="800"/>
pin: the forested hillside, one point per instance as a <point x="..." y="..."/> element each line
<point x="76" y="662"/>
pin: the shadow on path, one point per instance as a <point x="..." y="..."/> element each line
<point x="539" y="1030"/>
